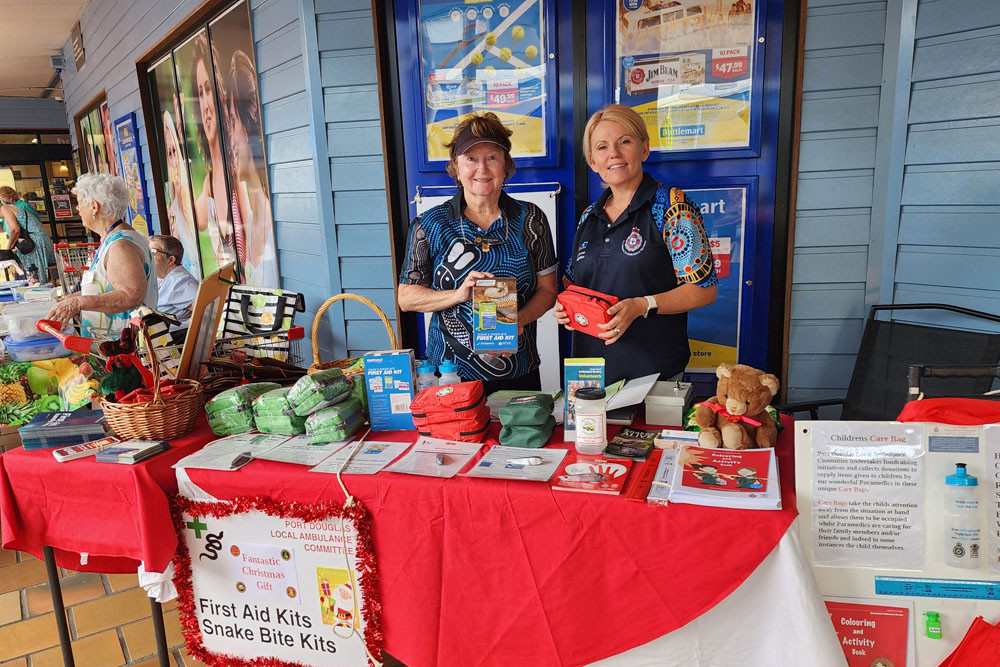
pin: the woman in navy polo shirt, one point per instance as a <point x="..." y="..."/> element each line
<point x="643" y="242"/>
<point x="481" y="233"/>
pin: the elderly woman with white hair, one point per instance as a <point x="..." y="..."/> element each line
<point x="122" y="276"/>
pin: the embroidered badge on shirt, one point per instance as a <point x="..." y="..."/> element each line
<point x="634" y="244"/>
<point x="582" y="252"/>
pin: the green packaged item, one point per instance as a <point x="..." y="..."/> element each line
<point x="358" y="392"/>
<point x="532" y="410"/>
<point x="319" y="390"/>
<point x="338" y="422"/>
<point x="280" y="424"/>
<point x="527" y="436"/>
<point x="231" y="412"/>
<point x="274" y="402"/>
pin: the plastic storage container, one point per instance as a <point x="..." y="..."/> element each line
<point x="962" y="522"/>
<point x="591" y="421"/>
<point x="449" y="372"/>
<point x="20" y="320"/>
<point x="425" y="376"/>
<point x="48" y="347"/>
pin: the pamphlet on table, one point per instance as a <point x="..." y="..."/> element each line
<point x="132" y="451"/>
<point x="297" y="449"/>
<point x="232" y="452"/>
<point x="738" y="478"/>
<point x="591" y="474"/>
<point x="435" y="457"/>
<point x="631" y="443"/>
<point x="501" y="462"/>
<point x="370" y="458"/>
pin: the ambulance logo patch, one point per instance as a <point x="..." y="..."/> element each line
<point x="634" y="244"/>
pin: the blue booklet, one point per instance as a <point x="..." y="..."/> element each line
<point x="65" y="423"/>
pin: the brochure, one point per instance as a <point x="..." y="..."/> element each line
<point x="435" y="457"/>
<point x="631" y="443"/>
<point x="371" y="457"/>
<point x="517" y="463"/>
<point x="873" y="631"/>
<point x="591" y="474"/>
<point x="739" y="478"/>
<point x="232" y="452"/>
<point x="132" y="451"/>
<point x="299" y="450"/>
<point x="579" y="372"/>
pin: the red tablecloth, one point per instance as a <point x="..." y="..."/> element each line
<point x="486" y="572"/>
<point x="117" y="514"/>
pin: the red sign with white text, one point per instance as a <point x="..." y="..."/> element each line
<point x="730" y="62"/>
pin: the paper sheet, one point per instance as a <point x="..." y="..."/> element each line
<point x="298" y="449"/>
<point x="434" y="457"/>
<point x="633" y="392"/>
<point x="498" y="462"/>
<point x="372" y="457"/>
<point x="224" y="454"/>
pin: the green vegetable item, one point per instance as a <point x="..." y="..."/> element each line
<point x="530" y="410"/>
<point x="527" y="436"/>
<point x="231" y="411"/>
<point x="319" y="390"/>
<point x="338" y="422"/>
<point x="273" y="414"/>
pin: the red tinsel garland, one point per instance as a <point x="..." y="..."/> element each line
<point x="371" y="610"/>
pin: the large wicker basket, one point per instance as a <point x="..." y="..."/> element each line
<point x="163" y="418"/>
<point x="318" y="364"/>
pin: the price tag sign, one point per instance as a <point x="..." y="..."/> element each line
<point x="731" y="62"/>
<point x="502" y="94"/>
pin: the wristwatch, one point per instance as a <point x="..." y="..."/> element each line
<point x="650" y="305"/>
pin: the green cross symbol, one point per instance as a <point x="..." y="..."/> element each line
<point x="197" y="526"/>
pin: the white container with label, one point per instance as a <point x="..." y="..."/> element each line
<point x="962" y="521"/>
<point x="591" y="421"/>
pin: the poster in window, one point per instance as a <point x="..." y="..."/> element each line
<point x="685" y="66"/>
<point x="109" y="141"/>
<point x="87" y="145"/>
<point x="62" y="207"/>
<point x="488" y="56"/>
<point x="243" y="138"/>
<point x="714" y="330"/>
<point x="179" y="204"/>
<point x="130" y="163"/>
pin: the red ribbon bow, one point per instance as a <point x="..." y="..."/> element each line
<point x="720" y="409"/>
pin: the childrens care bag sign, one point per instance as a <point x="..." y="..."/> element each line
<point x="259" y="585"/>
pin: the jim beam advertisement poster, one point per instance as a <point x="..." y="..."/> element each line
<point x="267" y="586"/>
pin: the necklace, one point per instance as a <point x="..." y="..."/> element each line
<point x="485" y="242"/>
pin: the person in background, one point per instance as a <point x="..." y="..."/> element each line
<point x="481" y="233"/>
<point x="644" y="243"/>
<point x="176" y="288"/>
<point x="122" y="276"/>
<point x="21" y="222"/>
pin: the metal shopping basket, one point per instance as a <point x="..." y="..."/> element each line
<point x="72" y="259"/>
<point x="284" y="344"/>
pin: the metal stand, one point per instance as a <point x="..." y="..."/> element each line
<point x="58" y="609"/>
<point x="161" y="636"/>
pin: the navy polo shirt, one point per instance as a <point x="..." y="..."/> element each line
<point x="441" y="251"/>
<point x="631" y="257"/>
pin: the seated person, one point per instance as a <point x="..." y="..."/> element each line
<point x="177" y="288"/>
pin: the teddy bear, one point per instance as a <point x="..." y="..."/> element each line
<point x="736" y="417"/>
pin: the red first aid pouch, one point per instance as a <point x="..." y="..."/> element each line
<point x="447" y="402"/>
<point x="470" y="428"/>
<point x="586" y="308"/>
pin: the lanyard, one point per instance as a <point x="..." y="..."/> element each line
<point x="101" y="248"/>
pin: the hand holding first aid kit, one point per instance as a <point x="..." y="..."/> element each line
<point x="586" y="308"/>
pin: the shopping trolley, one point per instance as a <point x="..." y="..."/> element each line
<point x="72" y="259"/>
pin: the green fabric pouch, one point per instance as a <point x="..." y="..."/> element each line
<point x="338" y="422"/>
<point x="319" y="390"/>
<point x="231" y="412"/>
<point x="533" y="410"/>
<point x="280" y="424"/>
<point x="527" y="436"/>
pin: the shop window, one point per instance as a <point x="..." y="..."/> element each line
<point x="12" y="138"/>
<point x="203" y="120"/>
<point x="93" y="132"/>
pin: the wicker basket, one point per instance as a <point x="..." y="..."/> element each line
<point x="318" y="365"/>
<point x="162" y="418"/>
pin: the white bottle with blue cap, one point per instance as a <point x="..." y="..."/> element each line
<point x="425" y="376"/>
<point x="449" y="372"/>
<point x="963" y="524"/>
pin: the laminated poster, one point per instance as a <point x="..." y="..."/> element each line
<point x="868" y="492"/>
<point x="991" y="496"/>
<point x="686" y="68"/>
<point x="484" y="56"/>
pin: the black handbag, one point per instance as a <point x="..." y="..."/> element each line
<point x="25" y="244"/>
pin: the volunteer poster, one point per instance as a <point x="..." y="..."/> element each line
<point x="714" y="331"/>
<point x="686" y="67"/>
<point x="131" y="170"/>
<point x="484" y="56"/>
<point x="264" y="586"/>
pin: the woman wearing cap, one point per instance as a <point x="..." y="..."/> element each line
<point x="21" y="222"/>
<point x="122" y="275"/>
<point x="481" y="233"/>
<point x="643" y="242"/>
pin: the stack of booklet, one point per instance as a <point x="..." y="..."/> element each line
<point x="744" y="479"/>
<point x="61" y="429"/>
<point x="132" y="451"/>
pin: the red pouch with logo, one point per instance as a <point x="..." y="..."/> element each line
<point x="447" y="402"/>
<point x="470" y="428"/>
<point x="586" y="308"/>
